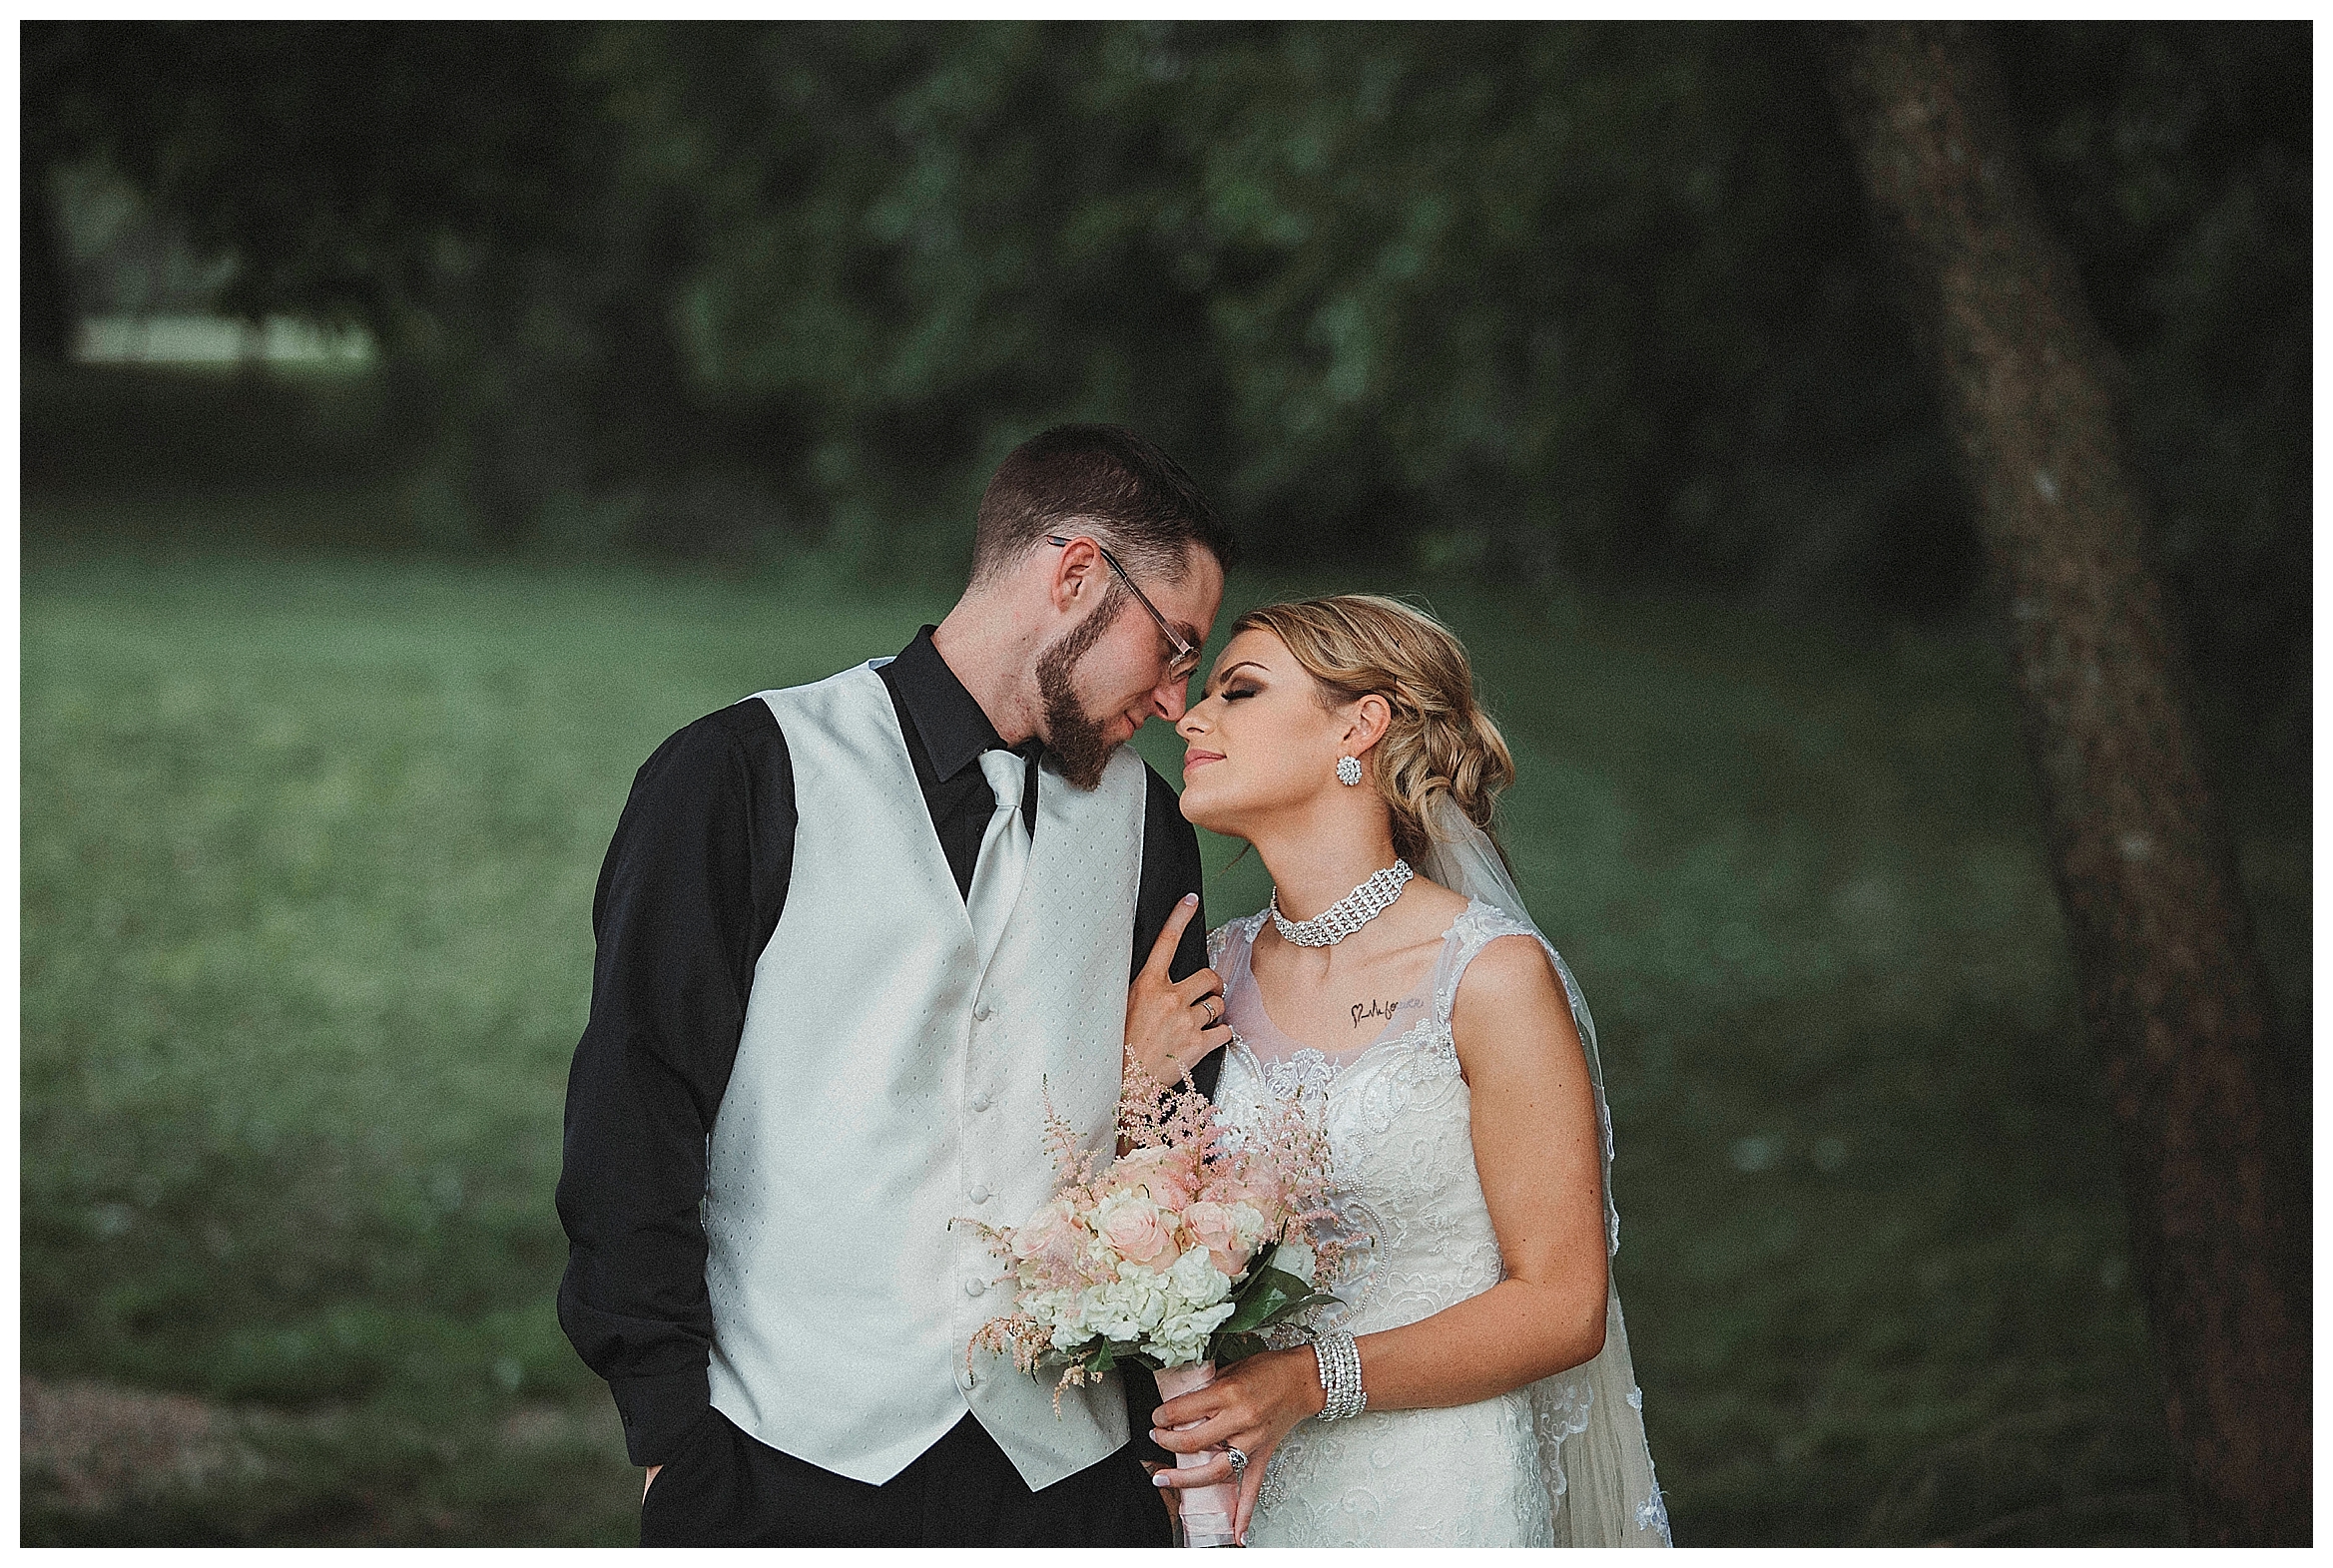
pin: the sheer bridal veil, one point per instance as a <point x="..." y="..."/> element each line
<point x="1592" y="1452"/>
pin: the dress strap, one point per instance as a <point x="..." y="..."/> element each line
<point x="1473" y="931"/>
<point x="1231" y="940"/>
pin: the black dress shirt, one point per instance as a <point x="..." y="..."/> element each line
<point x="693" y="884"/>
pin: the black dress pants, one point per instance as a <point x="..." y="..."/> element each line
<point x="724" y="1488"/>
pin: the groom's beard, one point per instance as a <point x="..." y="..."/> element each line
<point x="1073" y="737"/>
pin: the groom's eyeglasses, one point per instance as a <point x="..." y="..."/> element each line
<point x="1186" y="660"/>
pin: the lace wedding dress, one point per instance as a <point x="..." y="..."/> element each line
<point x="1490" y="1474"/>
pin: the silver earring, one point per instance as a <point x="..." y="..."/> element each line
<point x="1349" y="769"/>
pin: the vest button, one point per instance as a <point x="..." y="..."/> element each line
<point x="981" y="1194"/>
<point x="980" y="1101"/>
<point x="983" y="1013"/>
<point x="974" y="1286"/>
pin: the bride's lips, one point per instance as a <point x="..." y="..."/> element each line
<point x="1195" y="759"/>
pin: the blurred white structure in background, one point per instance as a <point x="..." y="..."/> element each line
<point x="147" y="296"/>
<point x="218" y="341"/>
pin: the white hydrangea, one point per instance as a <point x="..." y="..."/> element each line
<point x="1127" y="1308"/>
<point x="1170" y="1314"/>
<point x="1048" y="1307"/>
<point x="1196" y="1281"/>
<point x="1181" y="1340"/>
<point x="1250" y="1221"/>
<point x="1055" y="1312"/>
<point x="1198" y="1292"/>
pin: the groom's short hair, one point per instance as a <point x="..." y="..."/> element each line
<point x="1098" y="478"/>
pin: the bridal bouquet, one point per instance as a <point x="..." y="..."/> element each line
<point x="1181" y="1251"/>
<point x="1177" y="1255"/>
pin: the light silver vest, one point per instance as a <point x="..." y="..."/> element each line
<point x="885" y="1085"/>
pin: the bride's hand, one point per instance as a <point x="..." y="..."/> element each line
<point x="1251" y="1406"/>
<point x="1171" y="1025"/>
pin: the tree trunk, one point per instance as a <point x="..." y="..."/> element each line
<point x="45" y="297"/>
<point x="2172" y="992"/>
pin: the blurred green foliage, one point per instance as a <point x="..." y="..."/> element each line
<point x="309" y="850"/>
<point x="1554" y="301"/>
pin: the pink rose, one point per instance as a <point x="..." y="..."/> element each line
<point x="1167" y="1175"/>
<point x="1051" y="1238"/>
<point x="1213" y="1227"/>
<point x="1254" y="1188"/>
<point x="1136" y="1229"/>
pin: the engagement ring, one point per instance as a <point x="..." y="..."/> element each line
<point x="1239" y="1462"/>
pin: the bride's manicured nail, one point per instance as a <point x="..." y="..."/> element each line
<point x="1159" y="1479"/>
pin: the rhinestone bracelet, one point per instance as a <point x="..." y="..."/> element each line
<point x="1349" y="1399"/>
<point x="1332" y="1370"/>
<point x="1340" y="1364"/>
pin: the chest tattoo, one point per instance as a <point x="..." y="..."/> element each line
<point x="1363" y="1012"/>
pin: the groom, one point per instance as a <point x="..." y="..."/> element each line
<point x="853" y="937"/>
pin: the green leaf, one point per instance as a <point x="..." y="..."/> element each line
<point x="1230" y="1348"/>
<point x="1270" y="1296"/>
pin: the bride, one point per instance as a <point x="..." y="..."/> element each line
<point x="1472" y="1385"/>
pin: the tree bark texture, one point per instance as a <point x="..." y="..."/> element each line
<point x="2172" y="992"/>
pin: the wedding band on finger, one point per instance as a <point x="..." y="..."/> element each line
<point x="1239" y="1462"/>
<point x="1214" y="1009"/>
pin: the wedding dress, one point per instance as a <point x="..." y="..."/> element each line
<point x="1558" y="1462"/>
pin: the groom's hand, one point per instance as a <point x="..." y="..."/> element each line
<point x="1171" y="1025"/>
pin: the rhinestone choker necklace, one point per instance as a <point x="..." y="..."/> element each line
<point x="1347" y="915"/>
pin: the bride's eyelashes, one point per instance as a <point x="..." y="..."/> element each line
<point x="1232" y="694"/>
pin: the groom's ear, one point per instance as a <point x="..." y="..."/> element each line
<point x="1077" y="573"/>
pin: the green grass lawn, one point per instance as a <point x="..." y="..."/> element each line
<point x="308" y="846"/>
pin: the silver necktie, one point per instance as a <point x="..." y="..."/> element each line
<point x="1004" y="856"/>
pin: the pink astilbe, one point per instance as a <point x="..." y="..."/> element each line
<point x="1282" y="1168"/>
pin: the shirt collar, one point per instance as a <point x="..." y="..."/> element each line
<point x="952" y="726"/>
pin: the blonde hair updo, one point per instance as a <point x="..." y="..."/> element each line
<point x="1438" y="738"/>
